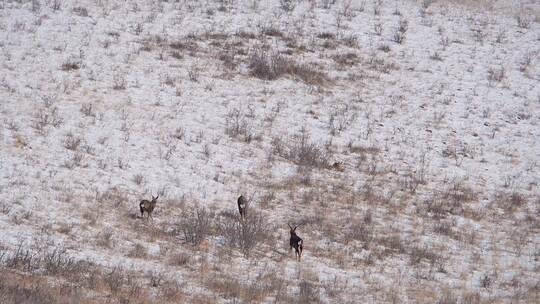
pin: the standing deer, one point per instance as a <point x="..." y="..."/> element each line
<point x="242" y="206"/>
<point x="148" y="206"/>
<point x="296" y="242"/>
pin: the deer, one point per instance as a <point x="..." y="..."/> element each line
<point x="296" y="242"/>
<point x="148" y="206"/>
<point x="242" y="206"/>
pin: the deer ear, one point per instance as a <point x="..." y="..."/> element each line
<point x="157" y="196"/>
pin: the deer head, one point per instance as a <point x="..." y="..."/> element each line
<point x="293" y="230"/>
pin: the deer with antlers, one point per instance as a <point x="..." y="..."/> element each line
<point x="242" y="206"/>
<point x="148" y="207"/>
<point x="296" y="242"/>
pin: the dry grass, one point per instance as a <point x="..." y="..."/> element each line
<point x="270" y="65"/>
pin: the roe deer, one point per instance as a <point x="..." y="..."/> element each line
<point x="148" y="206"/>
<point x="242" y="206"/>
<point x="296" y="242"/>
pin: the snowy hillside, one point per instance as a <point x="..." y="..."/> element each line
<point x="402" y="136"/>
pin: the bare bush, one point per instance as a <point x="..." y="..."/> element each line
<point x="341" y="118"/>
<point x="523" y="21"/>
<point x="273" y="66"/>
<point x="138" y="251"/>
<point x="426" y="4"/>
<point x="436" y="56"/>
<point x="243" y="234"/>
<point x="479" y="34"/>
<point x="22" y="258"/>
<point x="105" y="239"/>
<point x="70" y="66"/>
<point x="156" y="278"/>
<point x="56" y="5"/>
<point x="71" y="142"/>
<point x="114" y="279"/>
<point x="87" y="109"/>
<point x="15" y="293"/>
<point x="377" y="5"/>
<point x="179" y="259"/>
<point x="308" y="293"/>
<point x="195" y="226"/>
<point x="53" y="261"/>
<point x="527" y="60"/>
<point x="81" y="11"/>
<point x="57" y="261"/>
<point x="381" y="65"/>
<point x="119" y="82"/>
<point x="302" y="151"/>
<point x="194" y="74"/>
<point x="239" y="125"/>
<point x="287" y="5"/>
<point x="496" y="74"/>
<point x="418" y="254"/>
<point x="47" y="116"/>
<point x="361" y="231"/>
<point x="399" y="34"/>
<point x="138" y="179"/>
<point x="377" y="27"/>
<point x="509" y="202"/>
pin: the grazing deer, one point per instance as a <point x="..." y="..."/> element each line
<point x="296" y="242"/>
<point x="242" y="206"/>
<point x="148" y="206"/>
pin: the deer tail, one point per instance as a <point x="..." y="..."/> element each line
<point x="141" y="206"/>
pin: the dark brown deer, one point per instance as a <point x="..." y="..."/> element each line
<point x="296" y="242"/>
<point x="148" y="207"/>
<point x="242" y="206"/>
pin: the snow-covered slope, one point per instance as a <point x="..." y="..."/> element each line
<point x="402" y="135"/>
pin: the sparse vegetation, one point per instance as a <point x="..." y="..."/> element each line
<point x="402" y="134"/>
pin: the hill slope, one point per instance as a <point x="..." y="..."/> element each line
<point x="403" y="136"/>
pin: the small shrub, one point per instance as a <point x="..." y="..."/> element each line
<point x="399" y="34"/>
<point x="303" y="152"/>
<point x="87" y="109"/>
<point x="114" y="280"/>
<point x="193" y="74"/>
<point x="138" y="251"/>
<point x="71" y="142"/>
<point x="57" y="261"/>
<point x="70" y="66"/>
<point x="81" y="11"/>
<point x="308" y="293"/>
<point x="138" y="179"/>
<point x="436" y="56"/>
<point x="377" y="27"/>
<point x="287" y="5"/>
<point x="47" y="116"/>
<point x="243" y="234"/>
<point x="486" y="281"/>
<point x="195" y="227"/>
<point x="179" y="259"/>
<point x="350" y="41"/>
<point x="427" y="3"/>
<point x="273" y="66"/>
<point x="496" y="74"/>
<point x="523" y="21"/>
<point x="385" y="48"/>
<point x="238" y="125"/>
<point x="105" y="239"/>
<point x="119" y="82"/>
